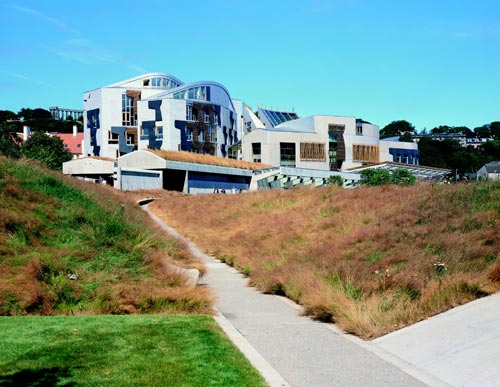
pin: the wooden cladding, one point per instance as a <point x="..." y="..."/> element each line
<point x="366" y="153"/>
<point x="310" y="151"/>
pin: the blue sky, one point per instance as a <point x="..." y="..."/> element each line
<point x="429" y="62"/>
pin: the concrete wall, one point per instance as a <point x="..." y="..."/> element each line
<point x="134" y="179"/>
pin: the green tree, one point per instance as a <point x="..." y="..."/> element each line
<point x="396" y="128"/>
<point x="48" y="150"/>
<point x="7" y="115"/>
<point x="495" y="130"/>
<point x="406" y="137"/>
<point x="403" y="176"/>
<point x="335" y="180"/>
<point x="25" y="114"/>
<point x="373" y="177"/>
<point x="9" y="141"/>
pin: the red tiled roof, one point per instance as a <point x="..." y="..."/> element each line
<point x="74" y="144"/>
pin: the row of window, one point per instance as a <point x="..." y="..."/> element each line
<point x="160" y="82"/>
<point x="199" y="93"/>
<point x="191" y="116"/>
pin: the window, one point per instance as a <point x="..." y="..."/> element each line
<point x="212" y="133"/>
<point x="365" y="153"/>
<point x="312" y="151"/>
<point x="145" y="82"/>
<point x="189" y="113"/>
<point x="287" y="154"/>
<point x="359" y="128"/>
<point x="206" y="118"/>
<point x="189" y="134"/>
<point x="112" y="137"/>
<point x="336" y="146"/>
<point x="256" y="152"/>
<point x="128" y="114"/>
<point x="159" y="132"/>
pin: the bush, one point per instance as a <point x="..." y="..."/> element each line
<point x="335" y="180"/>
<point x="400" y="176"/>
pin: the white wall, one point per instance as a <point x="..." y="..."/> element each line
<point x="385" y="145"/>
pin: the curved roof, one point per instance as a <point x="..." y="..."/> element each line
<point x="145" y="76"/>
<point x="218" y="93"/>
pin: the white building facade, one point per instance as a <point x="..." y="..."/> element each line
<point x="324" y="142"/>
<point x="158" y="111"/>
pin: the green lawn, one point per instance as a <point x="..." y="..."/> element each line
<point x="134" y="350"/>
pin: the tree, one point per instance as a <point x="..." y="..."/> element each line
<point x="335" y="180"/>
<point x="25" y="114"/>
<point x="482" y="131"/>
<point x="406" y="137"/>
<point x="48" y="150"/>
<point x="7" y="115"/>
<point x="9" y="141"/>
<point x="373" y="177"/>
<point x="495" y="130"/>
<point x="396" y="128"/>
<point x="403" y="176"/>
<point x="41" y="114"/>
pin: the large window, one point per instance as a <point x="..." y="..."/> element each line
<point x="256" y="152"/>
<point x="336" y="146"/>
<point x="128" y="114"/>
<point x="365" y="153"/>
<point x="312" y="151"/>
<point x="287" y="154"/>
<point x="212" y="133"/>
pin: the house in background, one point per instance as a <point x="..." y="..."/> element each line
<point x="490" y="171"/>
<point x="72" y="141"/>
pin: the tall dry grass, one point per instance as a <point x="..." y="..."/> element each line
<point x="371" y="259"/>
<point x="190" y="157"/>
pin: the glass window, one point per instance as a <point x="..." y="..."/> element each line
<point x="287" y="154"/>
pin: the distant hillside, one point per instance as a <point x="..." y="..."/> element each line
<point x="371" y="259"/>
<point x="70" y="247"/>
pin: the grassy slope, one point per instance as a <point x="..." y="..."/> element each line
<point x="371" y="259"/>
<point x="51" y="227"/>
<point x="120" y="351"/>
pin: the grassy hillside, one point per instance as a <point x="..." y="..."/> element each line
<point x="371" y="259"/>
<point x="79" y="248"/>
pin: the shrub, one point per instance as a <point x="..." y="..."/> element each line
<point x="335" y="180"/>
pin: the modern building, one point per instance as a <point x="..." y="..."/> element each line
<point x="158" y="111"/>
<point x="330" y="143"/>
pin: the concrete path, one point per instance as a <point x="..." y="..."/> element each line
<point x="304" y="352"/>
<point x="461" y="346"/>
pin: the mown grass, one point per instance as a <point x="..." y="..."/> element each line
<point x="372" y="260"/>
<point x="139" y="350"/>
<point x="76" y="248"/>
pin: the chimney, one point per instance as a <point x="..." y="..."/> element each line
<point x="26" y="132"/>
<point x="75" y="131"/>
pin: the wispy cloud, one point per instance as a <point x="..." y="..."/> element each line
<point x="28" y="79"/>
<point x="87" y="52"/>
<point x="55" y="21"/>
<point x="484" y="29"/>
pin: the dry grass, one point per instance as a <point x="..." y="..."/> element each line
<point x="190" y="157"/>
<point x="371" y="259"/>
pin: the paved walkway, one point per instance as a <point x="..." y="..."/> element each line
<point x="304" y="352"/>
<point x="460" y="346"/>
